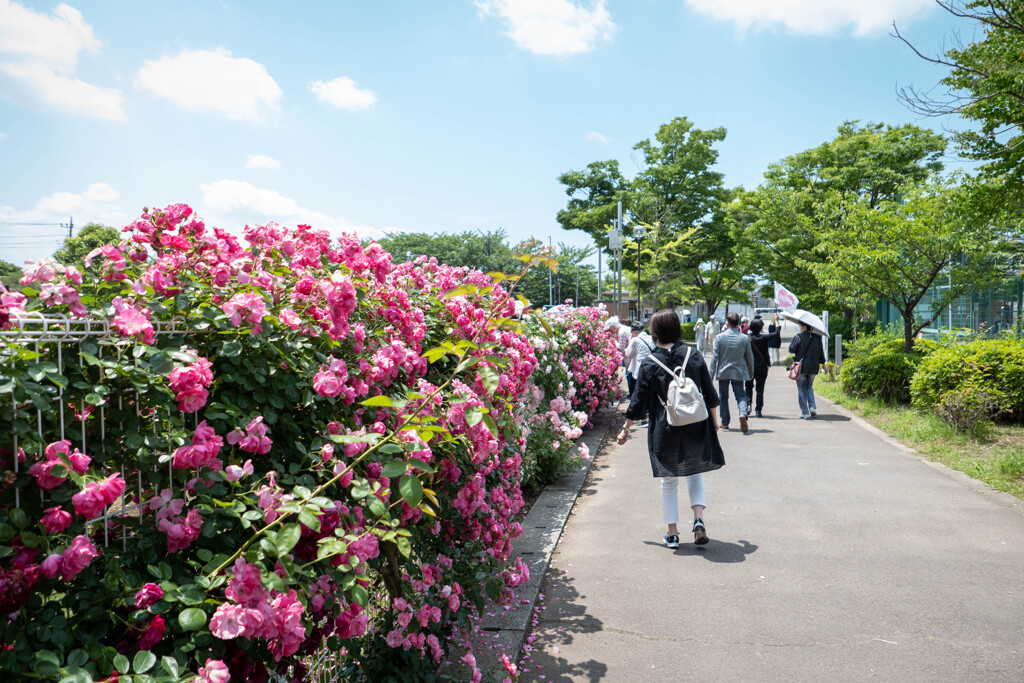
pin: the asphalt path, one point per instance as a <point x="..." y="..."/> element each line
<point x="835" y="555"/>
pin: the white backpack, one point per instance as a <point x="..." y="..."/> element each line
<point x="684" y="402"/>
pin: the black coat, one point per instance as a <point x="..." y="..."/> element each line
<point x="676" y="451"/>
<point x="776" y="343"/>
<point x="760" y="343"/>
<point x="806" y="348"/>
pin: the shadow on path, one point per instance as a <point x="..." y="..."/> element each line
<point x="715" y="551"/>
<point x="561" y="614"/>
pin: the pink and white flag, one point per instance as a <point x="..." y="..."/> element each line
<point x="785" y="299"/>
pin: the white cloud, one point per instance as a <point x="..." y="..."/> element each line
<point x="552" y="27"/>
<point x="39" y="57"/>
<point x="2" y="137"/>
<point x="233" y="201"/>
<point x="61" y="203"/>
<point x="214" y="81"/>
<point x="262" y="161"/>
<point x="343" y="93"/>
<point x="814" y="17"/>
<point x="594" y="136"/>
<point x="38" y="232"/>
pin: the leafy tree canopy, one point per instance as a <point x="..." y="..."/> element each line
<point x="91" y="236"/>
<point x="898" y="250"/>
<point x="871" y="163"/>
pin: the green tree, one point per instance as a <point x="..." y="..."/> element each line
<point x="563" y="283"/>
<point x="900" y="249"/>
<point x="984" y="84"/>
<point x="9" y="274"/>
<point x="676" y="190"/>
<point x="91" y="236"/>
<point x="486" y="251"/>
<point x="871" y="163"/>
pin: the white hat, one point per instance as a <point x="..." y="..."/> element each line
<point x="700" y="320"/>
<point x="612" y="322"/>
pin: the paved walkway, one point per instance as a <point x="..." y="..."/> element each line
<point x="835" y="555"/>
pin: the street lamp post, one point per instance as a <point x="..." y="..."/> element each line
<point x="638" y="232"/>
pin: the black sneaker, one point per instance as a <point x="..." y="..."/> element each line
<point x="700" y="534"/>
<point x="758" y="413"/>
<point x="672" y="541"/>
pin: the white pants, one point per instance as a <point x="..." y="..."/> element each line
<point x="670" y="495"/>
<point x="773" y="353"/>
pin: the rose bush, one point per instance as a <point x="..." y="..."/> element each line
<point x="323" y="452"/>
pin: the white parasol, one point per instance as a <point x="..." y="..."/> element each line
<point x="807" y="318"/>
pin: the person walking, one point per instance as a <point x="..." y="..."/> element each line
<point x="807" y="351"/>
<point x="776" y="342"/>
<point x="759" y="344"/>
<point x="698" y="336"/>
<point x="639" y="349"/>
<point x="687" y="451"/>
<point x="732" y="364"/>
<point x="711" y="332"/>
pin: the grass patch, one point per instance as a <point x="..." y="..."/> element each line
<point x="996" y="457"/>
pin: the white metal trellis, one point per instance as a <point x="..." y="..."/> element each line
<point x="41" y="329"/>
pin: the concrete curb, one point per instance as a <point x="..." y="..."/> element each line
<point x="1001" y="497"/>
<point x="504" y="633"/>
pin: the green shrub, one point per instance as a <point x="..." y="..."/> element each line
<point x="687" y="332"/>
<point x="846" y="328"/>
<point x="996" y="365"/>
<point x="889" y="341"/>
<point x="969" y="409"/>
<point x="884" y="374"/>
<point x="1012" y="464"/>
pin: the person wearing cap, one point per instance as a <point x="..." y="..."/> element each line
<point x="698" y="336"/>
<point x="640" y="347"/>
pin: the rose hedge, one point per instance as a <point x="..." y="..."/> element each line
<point x="328" y="454"/>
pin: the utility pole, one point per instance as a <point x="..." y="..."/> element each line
<point x="551" y="289"/>
<point x="71" y="226"/>
<point x="618" y="226"/>
<point x="577" y="300"/>
<point x="600" y="282"/>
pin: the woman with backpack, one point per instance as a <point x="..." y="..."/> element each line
<point x="807" y="352"/>
<point x="686" y="451"/>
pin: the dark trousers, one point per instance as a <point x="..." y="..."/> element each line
<point x="630" y="384"/>
<point x="757" y="382"/>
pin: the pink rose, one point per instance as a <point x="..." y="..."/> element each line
<point x="149" y="594"/>
<point x="215" y="671"/>
<point x="51" y="565"/>
<point x="56" y="519"/>
<point x="44" y="479"/>
<point x="234" y="472"/>
<point x="153" y="634"/>
<point x="90" y="501"/>
<point x="228" y="621"/>
<point x="77" y="557"/>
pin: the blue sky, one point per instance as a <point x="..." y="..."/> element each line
<point x="437" y="116"/>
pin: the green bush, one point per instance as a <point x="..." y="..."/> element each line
<point x="993" y="364"/>
<point x="969" y="409"/>
<point x="884" y="374"/>
<point x="889" y="341"/>
<point x="840" y="325"/>
<point x="687" y="332"/>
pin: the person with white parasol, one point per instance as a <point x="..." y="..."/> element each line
<point x="808" y="358"/>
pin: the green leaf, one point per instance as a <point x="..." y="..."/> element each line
<point x="309" y="519"/>
<point x="76" y="674"/>
<point x="360" y="595"/>
<point x="287" y="538"/>
<point x="395" y="468"/>
<point x="144" y="661"/>
<point x="376" y="506"/>
<point x="48" y="656"/>
<point x="460" y="291"/>
<point x="411" y="489"/>
<point x="94" y="399"/>
<point x="191" y="619"/>
<point x="121" y="664"/>
<point x="473" y="416"/>
<point x="230" y="349"/>
<point x="417" y="464"/>
<point x="160" y="364"/>
<point x="170" y="665"/>
<point x="78" y="657"/>
<point x="489" y="376"/>
<point x="467" y="364"/>
<point x="378" y="401"/>
<point x="404" y="546"/>
<point x="435" y="353"/>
